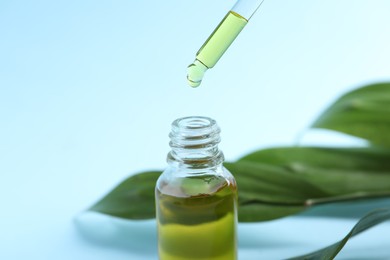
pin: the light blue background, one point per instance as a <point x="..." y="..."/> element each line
<point x="88" y="90"/>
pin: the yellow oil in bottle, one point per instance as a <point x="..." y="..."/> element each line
<point x="196" y="219"/>
<point x="215" y="46"/>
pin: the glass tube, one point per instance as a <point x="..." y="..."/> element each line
<point x="247" y="8"/>
<point x="221" y="38"/>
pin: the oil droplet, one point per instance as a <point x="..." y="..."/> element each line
<point x="195" y="73"/>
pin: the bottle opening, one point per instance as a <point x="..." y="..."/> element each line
<point x="194" y="130"/>
<point x="195" y="122"/>
<point x="194" y="140"/>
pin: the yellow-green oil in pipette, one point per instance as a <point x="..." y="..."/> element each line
<point x="215" y="46"/>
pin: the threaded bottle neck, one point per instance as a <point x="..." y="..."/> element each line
<point x="194" y="143"/>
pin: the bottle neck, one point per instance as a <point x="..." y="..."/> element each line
<point x="194" y="143"/>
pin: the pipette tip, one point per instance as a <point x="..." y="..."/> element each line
<point x="195" y="73"/>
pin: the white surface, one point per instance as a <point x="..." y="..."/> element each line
<point x="88" y="90"/>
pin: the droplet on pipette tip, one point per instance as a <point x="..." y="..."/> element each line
<point x="195" y="73"/>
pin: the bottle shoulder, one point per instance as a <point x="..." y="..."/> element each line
<point x="181" y="183"/>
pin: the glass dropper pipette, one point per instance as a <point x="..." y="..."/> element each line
<point x="220" y="40"/>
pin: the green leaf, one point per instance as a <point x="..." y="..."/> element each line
<point x="374" y="218"/>
<point x="275" y="183"/>
<point x="260" y="197"/>
<point x="363" y="113"/>
<point x="131" y="199"/>
<point x="264" y="193"/>
<point x="347" y="172"/>
<point x="267" y="192"/>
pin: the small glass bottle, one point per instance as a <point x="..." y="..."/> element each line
<point x="196" y="197"/>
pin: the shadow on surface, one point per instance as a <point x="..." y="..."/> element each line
<point x="259" y="236"/>
<point x="133" y="236"/>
